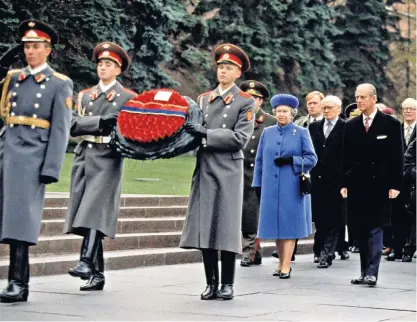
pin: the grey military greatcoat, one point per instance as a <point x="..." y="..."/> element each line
<point x="38" y="112"/>
<point x="96" y="176"/>
<point x="250" y="213"/>
<point x="214" y="214"/>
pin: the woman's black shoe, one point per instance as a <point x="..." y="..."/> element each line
<point x="276" y="273"/>
<point x="285" y="275"/>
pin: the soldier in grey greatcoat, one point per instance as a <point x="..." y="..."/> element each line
<point x="214" y="215"/>
<point x="96" y="176"/>
<point x="250" y="248"/>
<point x="36" y="104"/>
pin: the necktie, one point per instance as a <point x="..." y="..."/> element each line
<point x="328" y="130"/>
<point x="408" y="135"/>
<point x="367" y="119"/>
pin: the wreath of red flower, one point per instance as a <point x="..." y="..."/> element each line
<point x="145" y="119"/>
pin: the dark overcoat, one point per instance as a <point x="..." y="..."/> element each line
<point x="328" y="206"/>
<point x="372" y="164"/>
<point x="250" y="215"/>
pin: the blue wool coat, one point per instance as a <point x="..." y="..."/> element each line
<point x="284" y="212"/>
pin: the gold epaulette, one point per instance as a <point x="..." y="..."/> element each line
<point x="61" y="76"/>
<point x="129" y="91"/>
<point x="13" y="71"/>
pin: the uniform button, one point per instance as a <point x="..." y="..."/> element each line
<point x="276" y="176"/>
<point x="279" y="143"/>
<point x="373" y="177"/>
<point x="319" y="177"/>
<point x="14" y="104"/>
<point x="32" y="127"/>
<point x="91" y="103"/>
<point x="14" y="93"/>
<point x="324" y="145"/>
<point x="206" y="115"/>
<point x="17" y="85"/>
<point x="114" y="104"/>
<point x="224" y="125"/>
<point x="224" y="115"/>
<point x="90" y="113"/>
<point x="90" y="145"/>
<point x="251" y="165"/>
<point x="227" y="106"/>
<point x="47" y="79"/>
<point x="118" y="94"/>
<point x="276" y="153"/>
<point x="12" y="114"/>
<point x="204" y="145"/>
<point x="373" y="162"/>
<point x="253" y="136"/>
<point x="35" y="116"/>
<point x="11" y="125"/>
<point x="252" y="151"/>
<point x="36" y="105"/>
<point x="281" y="134"/>
<point x="42" y="86"/>
<point x="39" y="95"/>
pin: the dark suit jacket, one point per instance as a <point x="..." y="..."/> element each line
<point x="328" y="206"/>
<point x="372" y="163"/>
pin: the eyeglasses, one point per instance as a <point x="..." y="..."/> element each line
<point x="328" y="108"/>
<point x="409" y="109"/>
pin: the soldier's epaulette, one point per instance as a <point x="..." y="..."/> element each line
<point x="60" y="76"/>
<point x="205" y="93"/>
<point x="86" y="90"/>
<point x="13" y="71"/>
<point x="129" y="91"/>
<point x="244" y="94"/>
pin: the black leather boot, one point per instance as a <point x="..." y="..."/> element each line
<point x="85" y="266"/>
<point x="97" y="280"/>
<point x="18" y="288"/>
<point x="211" y="268"/>
<point x="228" y="275"/>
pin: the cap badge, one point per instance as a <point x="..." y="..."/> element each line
<point x="105" y="54"/>
<point x="32" y="34"/>
<point x="31" y="24"/>
<point x="226" y="56"/>
<point x="226" y="47"/>
<point x="106" y="46"/>
<point x="252" y="84"/>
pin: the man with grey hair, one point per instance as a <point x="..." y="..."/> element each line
<point x="372" y="173"/>
<point x="328" y="206"/>
<point x="402" y="221"/>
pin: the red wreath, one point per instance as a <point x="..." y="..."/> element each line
<point x="145" y="119"/>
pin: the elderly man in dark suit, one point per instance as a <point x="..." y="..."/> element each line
<point x="328" y="206"/>
<point x="401" y="221"/>
<point x="372" y="173"/>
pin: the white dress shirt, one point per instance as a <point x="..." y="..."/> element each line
<point x="224" y="91"/>
<point x="325" y="125"/>
<point x="104" y="88"/>
<point x="372" y="116"/>
<point x="37" y="69"/>
<point x="318" y="118"/>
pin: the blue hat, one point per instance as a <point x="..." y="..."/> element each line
<point x="284" y="99"/>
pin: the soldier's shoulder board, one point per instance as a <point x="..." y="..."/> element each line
<point x="244" y="94"/>
<point x="129" y="91"/>
<point x="61" y="76"/>
<point x="205" y="93"/>
<point x="86" y="90"/>
<point x="13" y="71"/>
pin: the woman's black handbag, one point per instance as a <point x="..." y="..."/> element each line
<point x="305" y="181"/>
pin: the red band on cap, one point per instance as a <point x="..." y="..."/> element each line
<point x="110" y="55"/>
<point x="36" y="35"/>
<point x="226" y="57"/>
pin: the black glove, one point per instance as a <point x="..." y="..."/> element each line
<point x="258" y="193"/>
<point x="125" y="151"/>
<point x="283" y="161"/>
<point x="196" y="129"/>
<point x="108" y="121"/>
<point x="47" y="179"/>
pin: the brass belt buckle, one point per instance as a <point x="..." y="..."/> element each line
<point x="98" y="139"/>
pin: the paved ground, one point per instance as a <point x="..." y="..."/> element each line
<point x="172" y="293"/>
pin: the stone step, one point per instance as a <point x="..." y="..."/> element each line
<point x="68" y="244"/>
<point x="59" y="264"/>
<point x="61" y="200"/>
<point x="51" y="227"/>
<point x="125" y="212"/>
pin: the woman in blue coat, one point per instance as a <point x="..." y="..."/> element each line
<point x="284" y="149"/>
